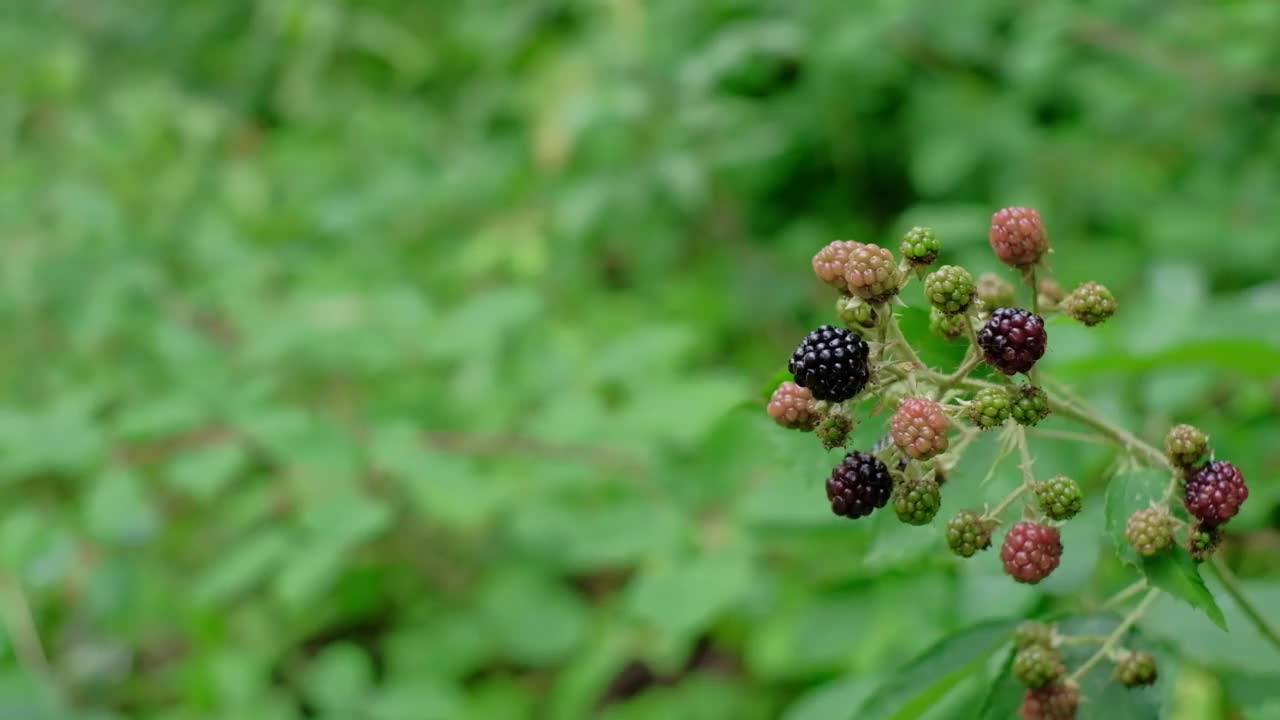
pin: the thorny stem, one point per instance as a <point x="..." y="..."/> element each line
<point x="1109" y="645"/>
<point x="1024" y="453"/>
<point x="901" y="341"/>
<point x="1232" y="584"/>
<point x="1122" y="437"/>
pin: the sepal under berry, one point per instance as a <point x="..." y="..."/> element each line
<point x="833" y="429"/>
<point x="1031" y="551"/>
<point x="950" y="289"/>
<point x="1185" y="445"/>
<point x="1059" y="497"/>
<point x="1149" y="530"/>
<point x="968" y="533"/>
<point x="1030" y="405"/>
<point x="859" y="485"/>
<point x="920" y="246"/>
<point x="1091" y="304"/>
<point x="1037" y="666"/>
<point x="989" y="408"/>
<point x="1136" y="669"/>
<point x="916" y="500"/>
<point x="1049" y="295"/>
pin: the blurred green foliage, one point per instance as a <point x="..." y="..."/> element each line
<point x="395" y="360"/>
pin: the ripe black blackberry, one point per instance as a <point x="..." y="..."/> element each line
<point x="859" y="485"/>
<point x="1215" y="492"/>
<point x="832" y="363"/>
<point x="1013" y="339"/>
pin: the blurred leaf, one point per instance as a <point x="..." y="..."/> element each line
<point x="339" y="679"/>
<point x="928" y="677"/>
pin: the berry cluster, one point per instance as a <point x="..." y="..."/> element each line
<point x="936" y="415"/>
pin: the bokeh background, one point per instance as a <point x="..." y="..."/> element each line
<point x="400" y="360"/>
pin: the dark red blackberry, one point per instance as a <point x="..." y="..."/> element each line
<point x="859" y="485"/>
<point x="832" y="363"/>
<point x="1031" y="551"/>
<point x="1215" y="492"/>
<point x="1055" y="701"/>
<point x="1013" y="339"/>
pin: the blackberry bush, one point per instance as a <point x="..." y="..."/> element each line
<point x="854" y="375"/>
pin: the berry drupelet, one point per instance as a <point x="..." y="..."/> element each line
<point x="1031" y="551"/>
<point x="830" y="262"/>
<point x="1018" y="236"/>
<point x="1012" y="340"/>
<point x="1091" y="304"/>
<point x="1215" y="492"/>
<point x="832" y="363"/>
<point x="1185" y="445"/>
<point x="1149" y="530"/>
<point x="1059" y="497"/>
<point x="1030" y="405"/>
<point x="968" y="532"/>
<point x="916" y="501"/>
<point x="1032" y="633"/>
<point x="871" y="273"/>
<point x="792" y="407"/>
<point x="920" y="246"/>
<point x="919" y="428"/>
<point x="859" y="485"/>
<point x="1055" y="701"/>
<point x="1135" y="669"/>
<point x="989" y="408"/>
<point x="1037" y="666"/>
<point x="950" y="289"/>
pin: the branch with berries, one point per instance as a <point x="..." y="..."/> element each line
<point x="868" y="355"/>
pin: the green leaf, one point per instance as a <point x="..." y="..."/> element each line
<point x="1176" y="573"/>
<point x="339" y="678"/>
<point x="928" y="677"/>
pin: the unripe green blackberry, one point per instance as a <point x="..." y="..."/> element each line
<point x="830" y="262"/>
<point x="919" y="428"/>
<point x="1018" y="236"/>
<point x="1037" y="666"/>
<point x="833" y="430"/>
<point x="793" y="407"/>
<point x="1049" y="295"/>
<point x="1149" y="530"/>
<point x="950" y="327"/>
<point x="1030" y="405"/>
<point x="1055" y="701"/>
<point x="1091" y="303"/>
<point x="989" y="408"/>
<point x="1031" y="633"/>
<point x="994" y="291"/>
<point x="1185" y="445"/>
<point x="855" y="313"/>
<point x="1203" y="541"/>
<point x="949" y="289"/>
<point x="871" y="273"/>
<point x="1059" y="497"/>
<point x="920" y="246"/>
<point x="968" y="532"/>
<point x="916" y="500"/>
<point x="1135" y="669"/>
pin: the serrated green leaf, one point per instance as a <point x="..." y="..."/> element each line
<point x="1177" y="574"/>
<point x="937" y="670"/>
